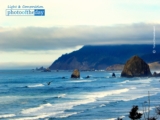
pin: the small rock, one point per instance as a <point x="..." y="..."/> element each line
<point x="46" y="70"/>
<point x="113" y="75"/>
<point x="75" y="74"/>
<point x="155" y="74"/>
<point x="88" y="76"/>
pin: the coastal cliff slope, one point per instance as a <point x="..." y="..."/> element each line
<point x="102" y="56"/>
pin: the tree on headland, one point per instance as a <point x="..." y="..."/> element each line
<point x="134" y="115"/>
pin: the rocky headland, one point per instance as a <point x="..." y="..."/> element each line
<point x="112" y="57"/>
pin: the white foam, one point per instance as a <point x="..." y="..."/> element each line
<point x="53" y="110"/>
<point x="36" y="85"/>
<point x="102" y="105"/>
<point x="115" y="118"/>
<point x="122" y="117"/>
<point x="68" y="114"/>
<point x="40" y="116"/>
<point x="147" y="80"/>
<point x="125" y="81"/>
<point x="31" y="110"/>
<point x="140" y="93"/>
<point x="45" y="115"/>
<point x="126" y="94"/>
<point x="133" y="88"/>
<point x="107" y="93"/>
<point x="82" y="81"/>
<point x="112" y="119"/>
<point x="62" y="95"/>
<point x="7" y="115"/>
<point x="8" y="99"/>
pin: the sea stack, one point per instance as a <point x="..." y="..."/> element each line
<point x="136" y="67"/>
<point x="113" y="75"/>
<point x="155" y="74"/>
<point x="75" y="74"/>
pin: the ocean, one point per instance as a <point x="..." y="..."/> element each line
<point x="26" y="95"/>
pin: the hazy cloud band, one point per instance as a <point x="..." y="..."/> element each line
<point x="41" y="38"/>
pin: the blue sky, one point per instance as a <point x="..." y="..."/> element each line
<point x="70" y="24"/>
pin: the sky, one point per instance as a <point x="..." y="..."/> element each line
<point x="34" y="41"/>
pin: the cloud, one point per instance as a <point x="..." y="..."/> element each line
<point x="56" y="38"/>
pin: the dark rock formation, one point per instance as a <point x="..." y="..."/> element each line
<point x="113" y="75"/>
<point x="136" y="67"/>
<point x="75" y="74"/>
<point x="46" y="70"/>
<point x="40" y="69"/>
<point x="155" y="74"/>
<point x="87" y="76"/>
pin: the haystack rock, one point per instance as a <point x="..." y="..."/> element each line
<point x="75" y="74"/>
<point x="136" y="67"/>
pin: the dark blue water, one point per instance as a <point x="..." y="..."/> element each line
<point x="26" y="95"/>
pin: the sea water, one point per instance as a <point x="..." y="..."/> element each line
<point x="27" y="95"/>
